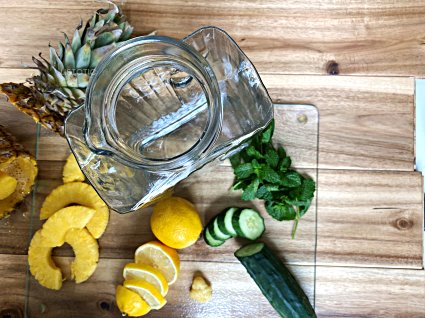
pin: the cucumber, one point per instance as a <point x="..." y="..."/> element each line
<point x="210" y="240"/>
<point x="228" y="215"/>
<point x="275" y="281"/>
<point x="248" y="223"/>
<point x="220" y="222"/>
<point x="217" y="232"/>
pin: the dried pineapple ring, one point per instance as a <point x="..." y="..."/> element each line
<point x="41" y="264"/>
<point x="55" y="228"/>
<point x="82" y="194"/>
<point x="86" y="252"/>
<point x="71" y="171"/>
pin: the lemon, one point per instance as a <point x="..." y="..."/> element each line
<point x="148" y="292"/>
<point x="161" y="257"/>
<point x="148" y="273"/>
<point x="130" y="303"/>
<point x="176" y="223"/>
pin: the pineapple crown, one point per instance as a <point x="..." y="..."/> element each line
<point x="68" y="72"/>
<point x="62" y="82"/>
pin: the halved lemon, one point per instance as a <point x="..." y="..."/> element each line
<point x="161" y="257"/>
<point x="148" y="292"/>
<point x="148" y="273"/>
<point x="130" y="303"/>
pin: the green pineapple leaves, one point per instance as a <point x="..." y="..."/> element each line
<point x="265" y="173"/>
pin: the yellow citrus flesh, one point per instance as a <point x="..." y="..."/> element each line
<point x="148" y="292"/>
<point x="24" y="170"/>
<point x="71" y="171"/>
<point x="86" y="252"/>
<point x="41" y="264"/>
<point x="161" y="257"/>
<point x="55" y="228"/>
<point x="176" y="222"/>
<point x="82" y="194"/>
<point x="7" y="185"/>
<point x="147" y="273"/>
<point x="130" y="303"/>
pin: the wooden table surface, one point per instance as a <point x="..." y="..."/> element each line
<point x="357" y="61"/>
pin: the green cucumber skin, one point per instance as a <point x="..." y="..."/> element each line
<point x="210" y="226"/>
<point x="220" y="221"/>
<point x="211" y="241"/>
<point x="277" y="284"/>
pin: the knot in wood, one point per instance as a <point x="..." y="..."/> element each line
<point x="11" y="313"/>
<point x="105" y="305"/>
<point x="332" y="68"/>
<point x="403" y="224"/>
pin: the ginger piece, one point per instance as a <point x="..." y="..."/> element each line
<point x="200" y="291"/>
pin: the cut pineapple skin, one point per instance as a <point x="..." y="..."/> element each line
<point x="82" y="194"/>
<point x="55" y="228"/>
<point x="86" y="252"/>
<point x="7" y="185"/>
<point x="41" y="265"/>
<point x="17" y="163"/>
<point x="71" y="171"/>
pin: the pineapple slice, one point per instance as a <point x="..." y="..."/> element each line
<point x="71" y="171"/>
<point x="81" y="194"/>
<point x="86" y="253"/>
<point x="18" y="164"/>
<point x="41" y="264"/>
<point x="55" y="228"/>
<point x="7" y="185"/>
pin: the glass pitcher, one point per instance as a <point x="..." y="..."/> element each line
<point x="158" y="109"/>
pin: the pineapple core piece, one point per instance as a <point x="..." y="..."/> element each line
<point x="7" y="185"/>
<point x="71" y="171"/>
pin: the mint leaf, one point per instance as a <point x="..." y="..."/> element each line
<point x="244" y="170"/>
<point x="268" y="174"/>
<point x="267" y="134"/>
<point x="235" y="160"/>
<point x="264" y="194"/>
<point x="252" y="152"/>
<point x="281" y="152"/>
<point x="280" y="211"/>
<point x="305" y="208"/>
<point x="242" y="184"/>
<point x="291" y="179"/>
<point x="272" y="158"/>
<point x="285" y="164"/>
<point x="251" y="190"/>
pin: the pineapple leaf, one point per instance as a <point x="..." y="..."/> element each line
<point x="107" y="38"/>
<point x="99" y="53"/>
<point x="127" y="32"/>
<point x="71" y="79"/>
<point x="83" y="57"/>
<point x="69" y="58"/>
<point x="61" y="49"/>
<point x="83" y="80"/>
<point x="55" y="60"/>
<point x="60" y="79"/>
<point x="76" y="41"/>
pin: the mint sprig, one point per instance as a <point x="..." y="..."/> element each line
<point x="263" y="171"/>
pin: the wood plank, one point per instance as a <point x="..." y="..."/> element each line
<point x="364" y="219"/>
<point x="364" y="37"/>
<point x="370" y="219"/>
<point x="365" y="122"/>
<point x="340" y="292"/>
<point x="370" y="292"/>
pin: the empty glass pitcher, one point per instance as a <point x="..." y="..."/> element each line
<point x="157" y="109"/>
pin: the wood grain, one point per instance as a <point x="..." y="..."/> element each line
<point x="365" y="122"/>
<point x="364" y="37"/>
<point x="340" y="292"/>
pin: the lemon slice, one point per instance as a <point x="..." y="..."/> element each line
<point x="148" y="292"/>
<point x="161" y="257"/>
<point x="130" y="303"/>
<point x="146" y="272"/>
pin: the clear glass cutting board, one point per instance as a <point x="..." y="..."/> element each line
<point x="234" y="292"/>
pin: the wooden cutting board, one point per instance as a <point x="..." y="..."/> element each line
<point x="370" y="199"/>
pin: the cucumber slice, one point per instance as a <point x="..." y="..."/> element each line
<point x="217" y="232"/>
<point x="220" y="222"/>
<point x="210" y="240"/>
<point x="248" y="223"/>
<point x="228" y="221"/>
